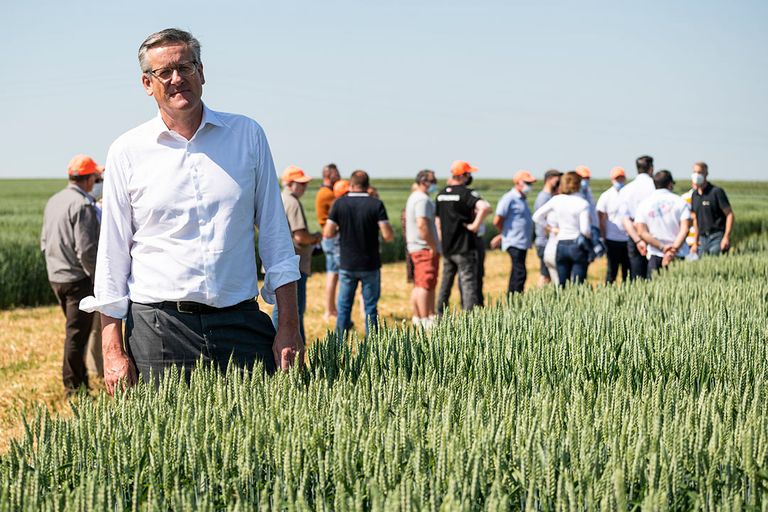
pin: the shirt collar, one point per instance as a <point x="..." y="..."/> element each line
<point x="209" y="117"/>
<point x="516" y="193"/>
<point x="357" y="194"/>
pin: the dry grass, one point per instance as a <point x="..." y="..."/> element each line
<point x="30" y="364"/>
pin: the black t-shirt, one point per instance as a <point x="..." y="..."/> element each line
<point x="455" y="206"/>
<point x="358" y="215"/>
<point x="708" y="207"/>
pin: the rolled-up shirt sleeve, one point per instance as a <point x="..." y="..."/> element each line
<point x="113" y="261"/>
<point x="281" y="263"/>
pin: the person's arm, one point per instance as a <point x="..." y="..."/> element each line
<point x="304" y="237"/>
<point x="602" y="217"/>
<point x="331" y="229"/>
<point x="119" y="370"/>
<point x="422" y="223"/>
<point x="540" y="215"/>
<point x="695" y="222"/>
<point x="632" y="233"/>
<point x="86" y="231"/>
<point x="498" y="222"/>
<point x="438" y="228"/>
<point x="725" y="244"/>
<point x="482" y="210"/>
<point x="682" y="234"/>
<point x="288" y="345"/>
<point x="645" y="236"/>
<point x="386" y="230"/>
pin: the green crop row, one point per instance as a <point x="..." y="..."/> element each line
<point x="646" y="396"/>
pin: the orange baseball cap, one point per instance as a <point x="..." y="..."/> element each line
<point x="618" y="172"/>
<point x="83" y="165"/>
<point x="459" y="167"/>
<point x="293" y="173"/>
<point x="583" y="171"/>
<point x="340" y="188"/>
<point x="525" y="176"/>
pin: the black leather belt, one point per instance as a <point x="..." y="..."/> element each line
<point x="196" y="308"/>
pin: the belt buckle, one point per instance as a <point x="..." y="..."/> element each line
<point x="185" y="308"/>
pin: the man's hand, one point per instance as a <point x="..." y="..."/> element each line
<point x="496" y="242"/>
<point x="474" y="227"/>
<point x="288" y="345"/>
<point x="287" y="348"/>
<point x="642" y="247"/>
<point x="119" y="370"/>
<point x="725" y="244"/>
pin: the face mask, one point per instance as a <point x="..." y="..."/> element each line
<point x="97" y="189"/>
<point x="469" y="180"/>
<point x="584" y="184"/>
<point x="697" y="179"/>
<point x="432" y="188"/>
<point x="618" y="185"/>
<point x="526" y="189"/>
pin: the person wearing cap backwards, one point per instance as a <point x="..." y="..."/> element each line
<point x="323" y="202"/>
<point x="69" y="241"/>
<point x="294" y="185"/>
<point x="357" y="218"/>
<point x="662" y="222"/>
<point x="629" y="197"/>
<point x="612" y="227"/>
<point x="551" y="183"/>
<point x="712" y="214"/>
<point x="460" y="211"/>
<point x="176" y="262"/>
<point x="514" y="222"/>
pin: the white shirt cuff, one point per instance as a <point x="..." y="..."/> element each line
<point x="284" y="272"/>
<point x="113" y="308"/>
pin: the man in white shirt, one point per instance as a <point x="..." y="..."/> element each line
<point x="612" y="227"/>
<point x="629" y="197"/>
<point x="662" y="222"/>
<point x="176" y="253"/>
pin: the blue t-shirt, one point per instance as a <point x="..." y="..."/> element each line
<point x="518" y="225"/>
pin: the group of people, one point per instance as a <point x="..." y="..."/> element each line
<point x="172" y="270"/>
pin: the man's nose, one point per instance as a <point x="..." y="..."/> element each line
<point x="176" y="77"/>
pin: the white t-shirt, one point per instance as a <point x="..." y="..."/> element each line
<point x="572" y="215"/>
<point x="663" y="212"/>
<point x="609" y="204"/>
<point x="635" y="192"/>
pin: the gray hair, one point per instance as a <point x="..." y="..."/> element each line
<point x="163" y="38"/>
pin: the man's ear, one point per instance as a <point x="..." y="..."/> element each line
<point x="146" y="82"/>
<point x="202" y="76"/>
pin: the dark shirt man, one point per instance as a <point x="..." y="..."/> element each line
<point x="712" y="214"/>
<point x="358" y="218"/>
<point x="69" y="241"/>
<point x="460" y="213"/>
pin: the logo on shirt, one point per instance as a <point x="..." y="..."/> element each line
<point x="448" y="197"/>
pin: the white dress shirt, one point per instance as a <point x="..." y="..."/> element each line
<point x="633" y="193"/>
<point x="614" y="223"/>
<point x="572" y="215"/>
<point x="663" y="212"/>
<point x="178" y="217"/>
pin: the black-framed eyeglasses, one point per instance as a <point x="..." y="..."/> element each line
<point x="185" y="69"/>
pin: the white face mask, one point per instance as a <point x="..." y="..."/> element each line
<point x="526" y="189"/>
<point x="697" y="179"/>
<point x="97" y="190"/>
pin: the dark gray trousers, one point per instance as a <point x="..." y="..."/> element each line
<point x="160" y="337"/>
<point x="465" y="265"/>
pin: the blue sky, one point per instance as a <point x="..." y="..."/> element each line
<point x="394" y="87"/>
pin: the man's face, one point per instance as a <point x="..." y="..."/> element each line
<point x="297" y="189"/>
<point x="553" y="182"/>
<point x="334" y="176"/>
<point x="179" y="93"/>
<point x="698" y="170"/>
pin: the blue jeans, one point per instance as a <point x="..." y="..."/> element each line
<point x="710" y="244"/>
<point x="371" y="282"/>
<point x="301" y="298"/>
<point x="572" y="261"/>
<point x="331" y="250"/>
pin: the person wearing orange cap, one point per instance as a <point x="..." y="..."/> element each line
<point x="69" y="241"/>
<point x="514" y="222"/>
<point x="612" y="227"/>
<point x="460" y="212"/>
<point x="586" y="192"/>
<point x="294" y="185"/>
<point x="177" y="261"/>
<point x="323" y="202"/>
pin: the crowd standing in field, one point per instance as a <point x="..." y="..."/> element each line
<point x="177" y="265"/>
